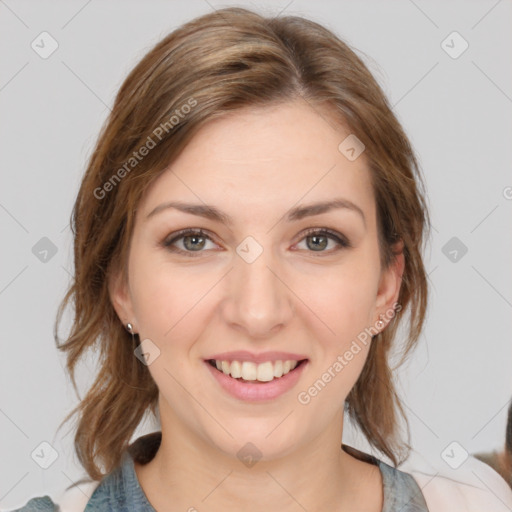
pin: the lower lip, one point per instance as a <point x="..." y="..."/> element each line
<point x="257" y="391"/>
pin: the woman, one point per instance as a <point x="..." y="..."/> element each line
<point x="248" y="239"/>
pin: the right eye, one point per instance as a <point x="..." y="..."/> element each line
<point x="192" y="240"/>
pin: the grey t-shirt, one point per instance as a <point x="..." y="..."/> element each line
<point x="120" y="490"/>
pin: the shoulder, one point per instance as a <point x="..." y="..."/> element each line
<point x="472" y="487"/>
<point x="39" y="504"/>
<point x="73" y="499"/>
<point x="119" y="490"/>
<point x="76" y="498"/>
<point x="400" y="490"/>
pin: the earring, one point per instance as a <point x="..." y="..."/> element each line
<point x="380" y="322"/>
<point x="129" y="328"/>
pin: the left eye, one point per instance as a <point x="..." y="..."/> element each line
<point x="320" y="238"/>
<point x="193" y="241"/>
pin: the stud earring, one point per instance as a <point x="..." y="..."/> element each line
<point x="129" y="328"/>
<point x="380" y="322"/>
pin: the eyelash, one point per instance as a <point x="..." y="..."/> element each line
<point x="333" y="235"/>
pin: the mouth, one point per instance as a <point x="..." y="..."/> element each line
<point x="256" y="373"/>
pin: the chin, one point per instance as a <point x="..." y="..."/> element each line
<point x="257" y="439"/>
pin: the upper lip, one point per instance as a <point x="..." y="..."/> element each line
<point x="244" y="355"/>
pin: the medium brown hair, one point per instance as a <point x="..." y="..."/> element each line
<point x="217" y="64"/>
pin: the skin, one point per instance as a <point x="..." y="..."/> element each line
<point x="255" y="165"/>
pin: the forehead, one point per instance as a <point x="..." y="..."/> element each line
<point x="264" y="158"/>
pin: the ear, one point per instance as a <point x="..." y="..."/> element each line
<point x="391" y="281"/>
<point x="120" y="297"/>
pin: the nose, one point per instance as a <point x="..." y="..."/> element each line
<point x="258" y="300"/>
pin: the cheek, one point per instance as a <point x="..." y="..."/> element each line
<point x="163" y="298"/>
<point x="344" y="300"/>
<point x="347" y="308"/>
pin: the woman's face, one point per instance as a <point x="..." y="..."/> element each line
<point x="255" y="287"/>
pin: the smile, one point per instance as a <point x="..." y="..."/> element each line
<point x="249" y="371"/>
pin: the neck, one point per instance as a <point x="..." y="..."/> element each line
<point x="194" y="475"/>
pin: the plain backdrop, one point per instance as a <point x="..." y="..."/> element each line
<point x="456" y="107"/>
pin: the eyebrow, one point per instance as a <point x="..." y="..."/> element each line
<point x="294" y="214"/>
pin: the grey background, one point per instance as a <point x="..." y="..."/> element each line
<point x="457" y="113"/>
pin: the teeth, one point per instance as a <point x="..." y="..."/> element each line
<point x="263" y="372"/>
<point x="249" y="371"/>
<point x="278" y="369"/>
<point x="236" y="369"/>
